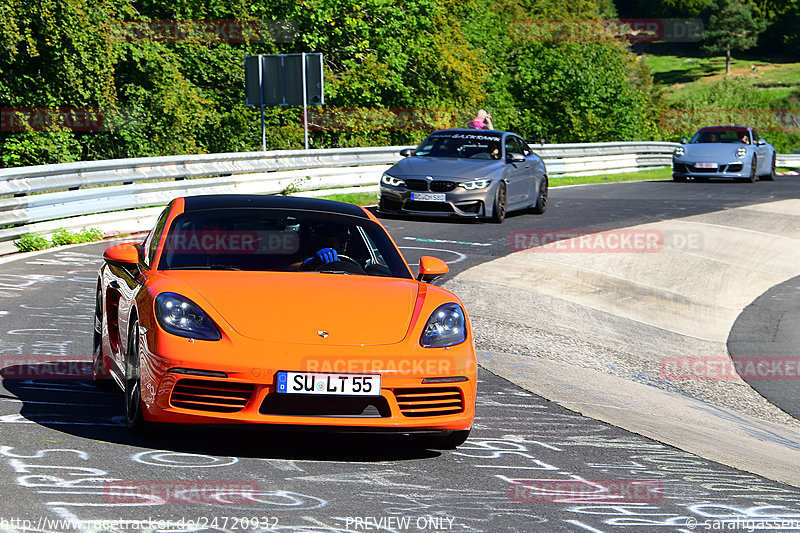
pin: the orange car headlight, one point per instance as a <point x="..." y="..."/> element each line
<point x="446" y="326"/>
<point x="180" y="316"/>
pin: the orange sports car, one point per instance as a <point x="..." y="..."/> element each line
<point x="282" y="311"/>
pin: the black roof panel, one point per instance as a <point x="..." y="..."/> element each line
<point x="233" y="201"/>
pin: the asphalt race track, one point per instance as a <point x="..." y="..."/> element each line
<point x="67" y="463"/>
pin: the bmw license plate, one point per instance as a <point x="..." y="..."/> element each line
<point x="429" y="196"/>
<point x="705" y="165"/>
<point x="332" y="384"/>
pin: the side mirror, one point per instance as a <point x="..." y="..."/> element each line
<point x="125" y="253"/>
<point x="761" y="142"/>
<point x="515" y="158"/>
<point x="684" y="141"/>
<point x="406" y="152"/>
<point x="431" y="268"/>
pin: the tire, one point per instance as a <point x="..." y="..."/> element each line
<point x="448" y="441"/>
<point x="771" y="175"/>
<point x="133" y="394"/>
<point x="100" y="374"/>
<point x="500" y="200"/>
<point x="541" y="201"/>
<point x="753" y="170"/>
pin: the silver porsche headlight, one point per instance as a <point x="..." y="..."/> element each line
<point x="741" y="152"/>
<point x="679" y="151"/>
<point x="391" y="180"/>
<point x="180" y="316"/>
<point x="446" y="326"/>
<point x="475" y="184"/>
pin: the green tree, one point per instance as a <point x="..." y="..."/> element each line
<point x="731" y="27"/>
<point x="581" y="92"/>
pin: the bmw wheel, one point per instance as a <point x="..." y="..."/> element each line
<point x="133" y="392"/>
<point x="499" y="210"/>
<point x="541" y="201"/>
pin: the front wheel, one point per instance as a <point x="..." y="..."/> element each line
<point x="771" y="175"/>
<point x="133" y="391"/>
<point x="541" y="201"/>
<point x="499" y="210"/>
<point x="753" y="170"/>
<point x="100" y="373"/>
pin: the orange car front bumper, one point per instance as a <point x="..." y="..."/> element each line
<point x="233" y="381"/>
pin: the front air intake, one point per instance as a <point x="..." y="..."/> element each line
<point x="214" y="396"/>
<point x="430" y="401"/>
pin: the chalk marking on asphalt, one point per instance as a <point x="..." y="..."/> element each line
<point x="460" y="256"/>
<point x="444" y="241"/>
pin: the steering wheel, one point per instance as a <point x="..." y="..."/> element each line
<point x="341" y="258"/>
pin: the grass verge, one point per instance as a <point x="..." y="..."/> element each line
<point x="655" y="174"/>
<point x="30" y="242"/>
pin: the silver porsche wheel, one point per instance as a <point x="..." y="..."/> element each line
<point x="771" y="175"/>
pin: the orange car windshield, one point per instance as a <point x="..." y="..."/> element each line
<point x="280" y="240"/>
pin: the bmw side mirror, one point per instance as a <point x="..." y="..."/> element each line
<point x="406" y="152"/>
<point x="431" y="268"/>
<point x="515" y="158"/>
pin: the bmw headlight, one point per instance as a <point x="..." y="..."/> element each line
<point x="391" y="180"/>
<point x="475" y="185"/>
<point x="180" y="316"/>
<point x="679" y="151"/>
<point x="741" y="152"/>
<point x="446" y="326"/>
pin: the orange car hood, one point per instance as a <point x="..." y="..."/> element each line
<point x="304" y="307"/>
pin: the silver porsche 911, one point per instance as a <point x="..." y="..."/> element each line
<point x="732" y="152"/>
<point x="467" y="173"/>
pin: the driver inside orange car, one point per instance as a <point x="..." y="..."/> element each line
<point x="329" y="240"/>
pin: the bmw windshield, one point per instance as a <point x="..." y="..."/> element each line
<point x="477" y="145"/>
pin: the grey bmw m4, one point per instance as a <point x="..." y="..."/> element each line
<point x="466" y="173"/>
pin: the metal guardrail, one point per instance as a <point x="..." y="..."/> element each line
<point x="127" y="193"/>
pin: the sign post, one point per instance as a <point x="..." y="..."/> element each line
<point x="283" y="80"/>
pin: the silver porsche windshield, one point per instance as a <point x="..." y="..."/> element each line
<point x="720" y="136"/>
<point x="461" y="145"/>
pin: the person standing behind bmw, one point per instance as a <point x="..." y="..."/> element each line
<point x="482" y="121"/>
